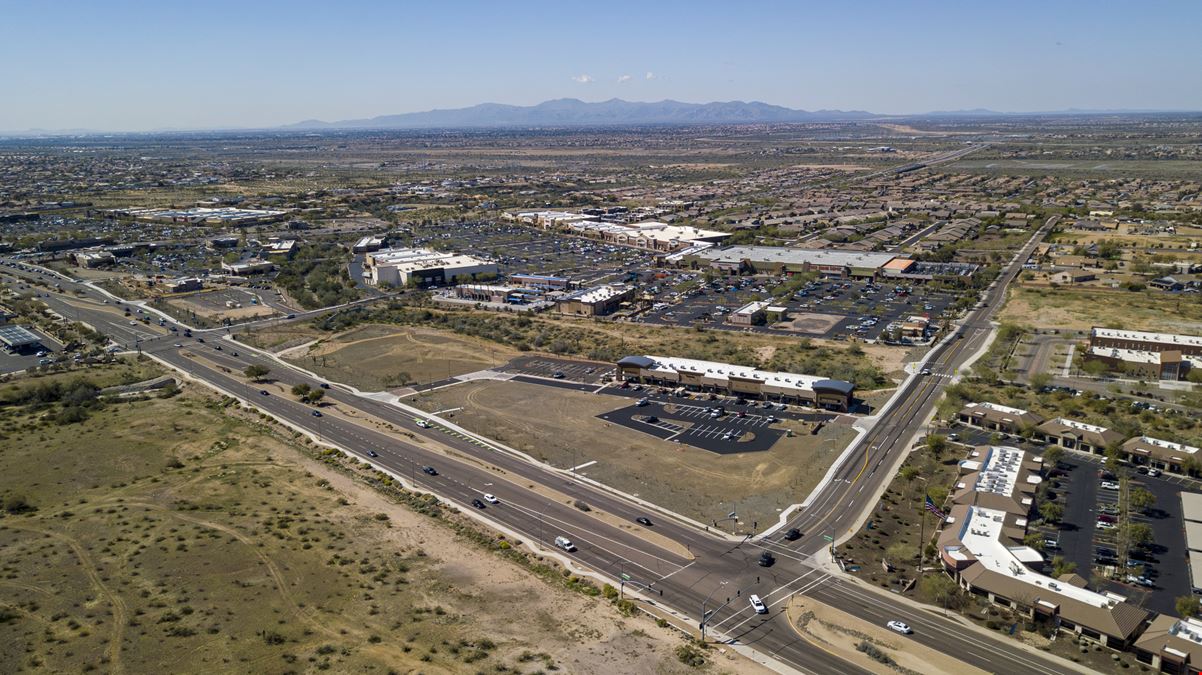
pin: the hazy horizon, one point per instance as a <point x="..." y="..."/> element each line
<point x="142" y="67"/>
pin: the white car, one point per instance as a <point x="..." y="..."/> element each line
<point x="758" y="605"/>
<point x="422" y="423"/>
<point x="1153" y="472"/>
<point x="491" y="499"/>
<point x="1109" y="485"/>
<point x="899" y="627"/>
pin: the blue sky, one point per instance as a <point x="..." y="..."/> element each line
<point x="145" y="65"/>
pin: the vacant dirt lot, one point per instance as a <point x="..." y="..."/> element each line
<point x="218" y="311"/>
<point x="1082" y="308"/>
<point x="559" y="426"/>
<point x="379" y="357"/>
<point x="181" y="535"/>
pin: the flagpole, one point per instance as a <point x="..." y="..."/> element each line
<point x="922" y="531"/>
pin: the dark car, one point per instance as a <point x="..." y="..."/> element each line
<point x="324" y="385"/>
<point x="793" y="534"/>
<point x="217" y="347"/>
<point x="200" y="340"/>
<point x="370" y="453"/>
<point x="642" y="520"/>
<point x="766" y="559"/>
<point x="430" y="470"/>
<point x="264" y="392"/>
<point x="652" y="419"/>
<point x="557" y="375"/>
<point x="317" y="413"/>
<point x="477" y="503"/>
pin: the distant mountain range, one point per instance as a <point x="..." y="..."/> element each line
<point x="570" y="112"/>
<point x="574" y="112"/>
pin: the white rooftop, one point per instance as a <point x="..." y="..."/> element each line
<point x="1138" y="355"/>
<point x="997" y="407"/>
<point x="1188" y="629"/>
<point x="1168" y="445"/>
<point x="724" y="371"/>
<point x="596" y="293"/>
<point x="753" y="307"/>
<point x="981" y="535"/>
<point x="1081" y="426"/>
<point x="1162" y="338"/>
<point x="420" y="258"/>
<point x="999" y="470"/>
<point x="798" y="256"/>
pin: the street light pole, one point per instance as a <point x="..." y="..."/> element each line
<point x="704" y="618"/>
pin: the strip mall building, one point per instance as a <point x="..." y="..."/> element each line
<point x="724" y="378"/>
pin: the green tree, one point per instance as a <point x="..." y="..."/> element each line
<point x="1094" y="368"/>
<point x="256" y="372"/>
<point x="1051" y="511"/>
<point x="936" y="444"/>
<point x="1142" y="498"/>
<point x="314" y="396"/>
<point x="300" y="390"/>
<point x="1040" y="380"/>
<point x="941" y="590"/>
<point x="1060" y="566"/>
<point x="1052" y="455"/>
<point x="1138" y="533"/>
<point x="1187" y="606"/>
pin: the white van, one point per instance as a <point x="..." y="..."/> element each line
<point x="758" y="605"/>
<point x="565" y="543"/>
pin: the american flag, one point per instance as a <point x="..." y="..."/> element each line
<point x="930" y="506"/>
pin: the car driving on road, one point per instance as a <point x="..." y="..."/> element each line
<point x="430" y="470"/>
<point x="758" y="605"/>
<point x="899" y="627"/>
<point x="491" y="499"/>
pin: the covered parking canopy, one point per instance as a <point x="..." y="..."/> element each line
<point x="16" y="337"/>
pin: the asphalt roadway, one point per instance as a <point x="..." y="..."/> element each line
<point x="712" y="575"/>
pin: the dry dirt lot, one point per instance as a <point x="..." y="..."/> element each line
<point x="218" y="312"/>
<point x="181" y="535"/>
<point x="560" y="426"/>
<point x="1083" y="308"/>
<point x="378" y="357"/>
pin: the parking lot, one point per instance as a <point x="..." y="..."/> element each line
<point x="727" y="433"/>
<point x="831" y="309"/>
<point x="519" y="249"/>
<point x="571" y="370"/>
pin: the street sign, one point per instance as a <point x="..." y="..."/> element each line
<point x="828" y="537"/>
<point x="625" y="576"/>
